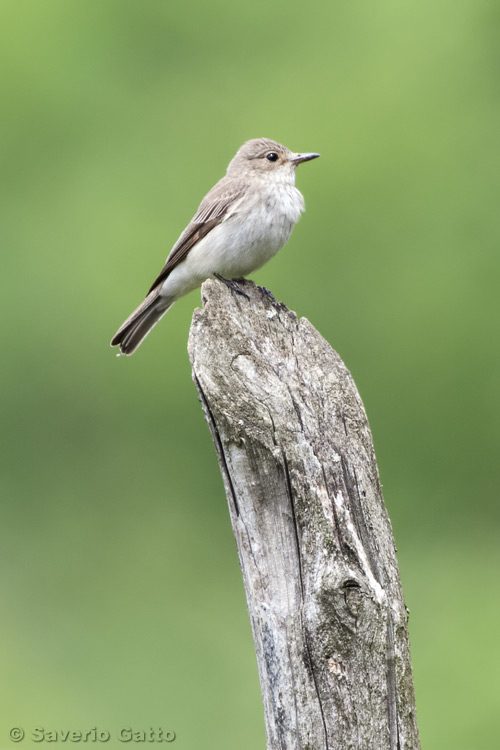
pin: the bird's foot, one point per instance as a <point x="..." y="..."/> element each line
<point x="266" y="293"/>
<point x="232" y="284"/>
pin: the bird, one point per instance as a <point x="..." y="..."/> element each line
<point x="240" y="224"/>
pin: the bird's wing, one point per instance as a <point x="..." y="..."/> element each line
<point x="212" y="211"/>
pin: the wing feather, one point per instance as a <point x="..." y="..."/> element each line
<point x="215" y="207"/>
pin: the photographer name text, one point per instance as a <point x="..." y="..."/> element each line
<point x="126" y="734"/>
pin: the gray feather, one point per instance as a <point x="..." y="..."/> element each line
<point x="140" y="323"/>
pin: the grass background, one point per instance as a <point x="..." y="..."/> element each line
<point x="123" y="603"/>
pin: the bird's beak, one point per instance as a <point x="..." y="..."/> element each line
<point x="299" y="158"/>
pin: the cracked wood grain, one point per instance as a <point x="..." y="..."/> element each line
<point x="314" y="540"/>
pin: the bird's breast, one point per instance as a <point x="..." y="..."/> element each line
<point x="250" y="236"/>
<point x="259" y="228"/>
<point x="273" y="214"/>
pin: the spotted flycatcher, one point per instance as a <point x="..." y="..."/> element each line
<point x="240" y="224"/>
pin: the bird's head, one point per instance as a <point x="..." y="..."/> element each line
<point x="262" y="156"/>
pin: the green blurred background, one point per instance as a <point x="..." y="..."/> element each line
<point x="123" y="600"/>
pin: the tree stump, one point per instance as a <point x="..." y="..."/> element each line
<point x="314" y="539"/>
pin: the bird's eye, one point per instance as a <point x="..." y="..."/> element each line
<point x="272" y="156"/>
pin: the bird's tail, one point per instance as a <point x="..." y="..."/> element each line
<point x="139" y="324"/>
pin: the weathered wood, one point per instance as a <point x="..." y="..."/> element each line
<point x="314" y="540"/>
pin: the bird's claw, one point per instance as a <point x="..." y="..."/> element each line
<point x="267" y="293"/>
<point x="232" y="284"/>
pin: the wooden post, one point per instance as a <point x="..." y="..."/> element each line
<point x="314" y="540"/>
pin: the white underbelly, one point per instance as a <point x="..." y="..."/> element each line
<point x="236" y="247"/>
